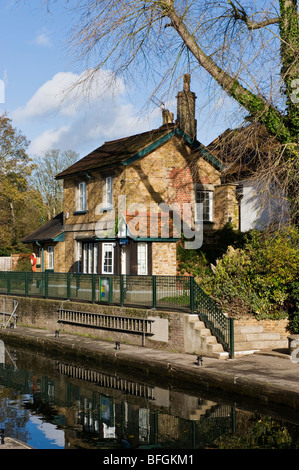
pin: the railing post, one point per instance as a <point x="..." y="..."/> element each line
<point x="93" y="289"/>
<point x="46" y="284"/>
<point x="154" y="287"/>
<point x="231" y="338"/>
<point x="8" y="283"/>
<point x="192" y="294"/>
<point x="121" y="288"/>
<point x="26" y="284"/>
<point x="68" y="286"/>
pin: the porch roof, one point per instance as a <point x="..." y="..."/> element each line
<point x="50" y="231"/>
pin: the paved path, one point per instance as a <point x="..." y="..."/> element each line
<point x="14" y="444"/>
<point x="269" y="376"/>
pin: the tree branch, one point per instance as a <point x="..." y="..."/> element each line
<point x="240" y="14"/>
<point x="257" y="106"/>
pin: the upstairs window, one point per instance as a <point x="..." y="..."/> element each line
<point x="82" y="196"/>
<point x="206" y="199"/>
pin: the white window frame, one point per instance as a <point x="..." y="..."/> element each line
<point x="82" y="196"/>
<point x="95" y="257"/>
<point x="50" y="257"/>
<point x="88" y="257"/>
<point x="205" y="197"/>
<point x="80" y="258"/>
<point x="84" y="258"/>
<point x="142" y="259"/>
<point x="108" y="248"/>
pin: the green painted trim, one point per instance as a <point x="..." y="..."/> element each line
<point x="198" y="146"/>
<point x="171" y="240"/>
<point x="149" y="148"/>
<point x="177" y="131"/>
<point x="59" y="238"/>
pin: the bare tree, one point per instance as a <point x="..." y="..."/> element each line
<point x="48" y="166"/>
<point x="249" y="50"/>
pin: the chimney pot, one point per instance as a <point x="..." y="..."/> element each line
<point x="167" y="117"/>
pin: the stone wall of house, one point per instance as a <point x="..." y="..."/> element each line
<point x="226" y="207"/>
<point x="167" y="175"/>
<point x="164" y="259"/>
<point x="59" y="256"/>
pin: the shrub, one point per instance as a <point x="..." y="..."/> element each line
<point x="293" y="325"/>
<point x="258" y="276"/>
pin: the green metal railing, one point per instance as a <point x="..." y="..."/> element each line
<point x="160" y="292"/>
<point x="220" y="325"/>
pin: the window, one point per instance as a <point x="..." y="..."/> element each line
<point x="107" y="258"/>
<point x="206" y="199"/>
<point x="88" y="258"/>
<point x="142" y="258"/>
<point x="50" y="257"/>
<point x="82" y="196"/>
<point x="109" y="190"/>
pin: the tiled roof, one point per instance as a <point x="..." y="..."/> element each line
<point x="123" y="151"/>
<point x="46" y="232"/>
<point x="116" y="152"/>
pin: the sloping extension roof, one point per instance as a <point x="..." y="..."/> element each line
<point x="123" y="152"/>
<point x="51" y="231"/>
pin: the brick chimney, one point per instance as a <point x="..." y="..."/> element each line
<point x="167" y="117"/>
<point x="186" y="109"/>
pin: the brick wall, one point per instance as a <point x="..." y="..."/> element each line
<point x="168" y="175"/>
<point x="274" y="326"/>
<point x="42" y="313"/>
<point x="164" y="259"/>
<point x="226" y="206"/>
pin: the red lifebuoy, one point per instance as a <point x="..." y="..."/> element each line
<point x="33" y="259"/>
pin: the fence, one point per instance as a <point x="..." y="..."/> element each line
<point x="8" y="315"/>
<point x="161" y="292"/>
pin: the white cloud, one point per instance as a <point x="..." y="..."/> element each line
<point x="51" y="138"/>
<point x="66" y="113"/>
<point x="42" y="40"/>
<point x="66" y="93"/>
<point x="51" y="432"/>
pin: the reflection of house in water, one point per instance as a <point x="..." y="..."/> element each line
<point x="114" y="411"/>
<point x="122" y="410"/>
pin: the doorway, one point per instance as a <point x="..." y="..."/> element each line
<point x="125" y="259"/>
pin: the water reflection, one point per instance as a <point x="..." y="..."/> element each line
<point x="55" y="403"/>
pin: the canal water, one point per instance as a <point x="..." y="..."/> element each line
<point x="56" y="403"/>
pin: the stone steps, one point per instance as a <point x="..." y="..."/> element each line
<point x="247" y="339"/>
<point x="201" y="341"/>
<point x="206" y="407"/>
<point x="251" y="338"/>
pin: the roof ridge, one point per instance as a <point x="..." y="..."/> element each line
<point x="151" y="131"/>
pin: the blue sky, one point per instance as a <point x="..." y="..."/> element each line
<point x="37" y="69"/>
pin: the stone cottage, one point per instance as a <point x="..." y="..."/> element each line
<point x="127" y="203"/>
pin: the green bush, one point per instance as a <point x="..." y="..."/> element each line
<point x="257" y="275"/>
<point x="293" y="325"/>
